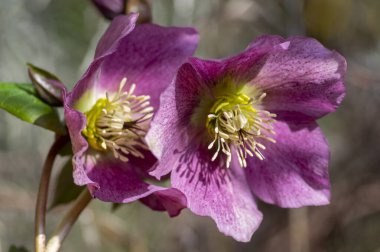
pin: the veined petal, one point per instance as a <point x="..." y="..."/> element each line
<point x="116" y="181"/>
<point x="167" y="133"/>
<point x="294" y="172"/>
<point x="170" y="200"/>
<point x="223" y="194"/>
<point x="303" y="81"/>
<point x="149" y="57"/>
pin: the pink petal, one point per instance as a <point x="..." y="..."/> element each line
<point x="294" y="172"/>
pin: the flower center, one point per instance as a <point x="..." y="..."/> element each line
<point x="119" y="123"/>
<point x="236" y="120"/>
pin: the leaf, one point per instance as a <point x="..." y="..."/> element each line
<point x="13" y="248"/>
<point x="65" y="191"/>
<point x="22" y="101"/>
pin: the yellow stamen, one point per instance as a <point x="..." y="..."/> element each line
<point x="118" y="123"/>
<point x="235" y="119"/>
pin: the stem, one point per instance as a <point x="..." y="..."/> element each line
<point x="39" y="228"/>
<point x="299" y="230"/>
<point x="143" y="7"/>
<point x="68" y="221"/>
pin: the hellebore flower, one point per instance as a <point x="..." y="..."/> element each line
<point x="109" y="110"/>
<point x="244" y="127"/>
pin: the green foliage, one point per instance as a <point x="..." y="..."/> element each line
<point x="13" y="248"/>
<point x="66" y="191"/>
<point x="22" y="101"/>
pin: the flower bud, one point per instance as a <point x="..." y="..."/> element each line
<point x="47" y="85"/>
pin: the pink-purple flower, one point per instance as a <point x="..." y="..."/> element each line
<point x="244" y="127"/>
<point x="108" y="112"/>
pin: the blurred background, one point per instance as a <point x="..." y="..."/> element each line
<point x="60" y="36"/>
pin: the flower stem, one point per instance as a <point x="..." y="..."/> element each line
<point x="68" y="221"/>
<point x="299" y="230"/>
<point x="39" y="228"/>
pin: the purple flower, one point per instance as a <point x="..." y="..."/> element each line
<point x="109" y="110"/>
<point x="244" y="127"/>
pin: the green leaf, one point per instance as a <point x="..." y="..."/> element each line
<point x="65" y="191"/>
<point x="22" y="101"/>
<point x="13" y="248"/>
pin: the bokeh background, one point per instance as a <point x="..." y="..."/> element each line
<point x="60" y="35"/>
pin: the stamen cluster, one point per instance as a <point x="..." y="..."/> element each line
<point x="237" y="122"/>
<point x="119" y="123"/>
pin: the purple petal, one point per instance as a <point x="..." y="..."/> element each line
<point x="120" y="27"/>
<point x="170" y="200"/>
<point x="166" y="133"/>
<point x="76" y="122"/>
<point x="245" y="66"/>
<point x="303" y="81"/>
<point x="116" y="181"/>
<point x="294" y="172"/>
<point x="212" y="190"/>
<point x="149" y="57"/>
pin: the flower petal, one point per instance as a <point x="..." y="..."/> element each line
<point x="167" y="133"/>
<point x="116" y="181"/>
<point x="119" y="28"/>
<point x="212" y="190"/>
<point x="294" y="172"/>
<point x="302" y="81"/>
<point x="76" y="122"/>
<point x="170" y="200"/>
<point x="149" y="57"/>
<point x="243" y="67"/>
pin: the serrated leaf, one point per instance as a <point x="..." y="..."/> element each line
<point x="13" y="248"/>
<point x="22" y="101"/>
<point x="65" y="191"/>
